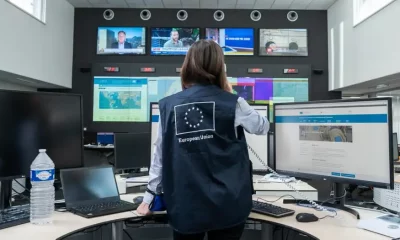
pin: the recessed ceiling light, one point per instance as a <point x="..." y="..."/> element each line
<point x="381" y="86"/>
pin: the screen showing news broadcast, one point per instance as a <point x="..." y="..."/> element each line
<point x="173" y="41"/>
<point x="233" y="41"/>
<point x="283" y="42"/>
<point x="121" y="40"/>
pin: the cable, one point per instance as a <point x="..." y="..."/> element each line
<point x="287" y="195"/>
<point x="315" y="205"/>
<point x="126" y="232"/>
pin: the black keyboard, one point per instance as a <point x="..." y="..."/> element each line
<point x="14" y="216"/>
<point x="271" y="210"/>
<point x="105" y="208"/>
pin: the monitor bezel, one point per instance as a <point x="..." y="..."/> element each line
<point x="389" y="185"/>
<point x="256" y="170"/>
<point x="158" y="55"/>
<point x="232" y="55"/>
<point x="259" y="39"/>
<point x="396" y="136"/>
<point x="57" y="170"/>
<point x="123" y="54"/>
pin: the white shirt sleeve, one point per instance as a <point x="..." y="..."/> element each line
<point x="155" y="172"/>
<point x="250" y="119"/>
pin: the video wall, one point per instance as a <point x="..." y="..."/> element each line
<point x="127" y="99"/>
<point x="177" y="41"/>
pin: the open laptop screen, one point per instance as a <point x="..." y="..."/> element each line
<point x="88" y="184"/>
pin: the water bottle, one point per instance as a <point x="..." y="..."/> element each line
<point x="42" y="191"/>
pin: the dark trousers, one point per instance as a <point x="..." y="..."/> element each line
<point x="234" y="233"/>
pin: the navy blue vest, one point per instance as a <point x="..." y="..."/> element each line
<point x="207" y="179"/>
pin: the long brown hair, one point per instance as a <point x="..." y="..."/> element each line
<point x="204" y="64"/>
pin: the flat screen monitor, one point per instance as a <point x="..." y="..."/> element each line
<point x="395" y="147"/>
<point x="121" y="40"/>
<point x="258" y="143"/>
<point x="127" y="99"/>
<point x="173" y="41"/>
<point x="283" y="42"/>
<point x="105" y="138"/>
<point x="132" y="150"/>
<point x="347" y="141"/>
<point x="154" y="120"/>
<point x="233" y="41"/>
<point x="31" y="121"/>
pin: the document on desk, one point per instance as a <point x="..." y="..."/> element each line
<point x="388" y="225"/>
<point x="143" y="179"/>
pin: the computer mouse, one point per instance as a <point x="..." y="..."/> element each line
<point x="138" y="200"/>
<point x="306" y="217"/>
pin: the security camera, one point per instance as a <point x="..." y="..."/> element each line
<point x="292" y="16"/>
<point x="108" y="14"/>
<point x="255" y="15"/>
<point x="219" y="15"/>
<point x="145" y="15"/>
<point x="182" y="15"/>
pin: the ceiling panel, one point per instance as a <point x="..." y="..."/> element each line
<point x="246" y="2"/>
<point x="154" y="3"/>
<point x="208" y="4"/>
<point x="80" y="3"/>
<point x="300" y="4"/>
<point x="98" y="1"/>
<point x="282" y="4"/>
<point x="245" y="6"/>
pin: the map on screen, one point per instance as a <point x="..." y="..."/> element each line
<point x="127" y="99"/>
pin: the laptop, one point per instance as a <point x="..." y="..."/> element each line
<point x="92" y="192"/>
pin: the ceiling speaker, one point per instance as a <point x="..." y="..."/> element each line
<point x="145" y="15"/>
<point x="292" y="16"/>
<point x="108" y="14"/>
<point x="182" y="15"/>
<point x="219" y="15"/>
<point x="255" y="15"/>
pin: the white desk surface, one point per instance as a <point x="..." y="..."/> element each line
<point x="325" y="229"/>
<point x="301" y="186"/>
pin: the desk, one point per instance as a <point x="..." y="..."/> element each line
<point x="325" y="229"/>
<point x="280" y="189"/>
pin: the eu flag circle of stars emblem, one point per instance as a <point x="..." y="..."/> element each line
<point x="189" y="120"/>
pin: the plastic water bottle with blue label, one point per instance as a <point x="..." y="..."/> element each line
<point x="42" y="192"/>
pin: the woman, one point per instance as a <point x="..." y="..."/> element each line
<point x="200" y="155"/>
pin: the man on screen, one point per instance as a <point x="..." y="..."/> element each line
<point x="121" y="44"/>
<point x="174" y="40"/>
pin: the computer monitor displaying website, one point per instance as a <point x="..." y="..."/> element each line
<point x="346" y="141"/>
<point x="259" y="144"/>
<point x="154" y="120"/>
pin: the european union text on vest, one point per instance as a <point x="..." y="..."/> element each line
<point x="194" y="117"/>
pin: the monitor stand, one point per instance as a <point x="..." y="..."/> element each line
<point x="5" y="194"/>
<point x="338" y="204"/>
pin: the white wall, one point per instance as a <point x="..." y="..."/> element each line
<point x="368" y="51"/>
<point x="36" y="50"/>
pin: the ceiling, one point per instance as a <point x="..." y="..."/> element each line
<point x="379" y="85"/>
<point x="207" y="4"/>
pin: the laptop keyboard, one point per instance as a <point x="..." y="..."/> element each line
<point x="101" y="206"/>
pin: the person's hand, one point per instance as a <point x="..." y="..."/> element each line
<point x="143" y="209"/>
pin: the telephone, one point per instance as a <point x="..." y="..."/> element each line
<point x="314" y="204"/>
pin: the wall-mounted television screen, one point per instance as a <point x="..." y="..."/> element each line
<point x="234" y="41"/>
<point x="283" y="42"/>
<point x="121" y="40"/>
<point x="173" y="41"/>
